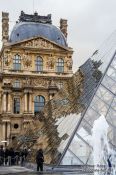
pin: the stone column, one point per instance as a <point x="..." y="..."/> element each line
<point x="4" y="102"/>
<point x="30" y="102"/>
<point x="1" y="103"/>
<point x="8" y="132"/>
<point x="3" y="131"/>
<point x="25" y="101"/>
<point x="9" y="102"/>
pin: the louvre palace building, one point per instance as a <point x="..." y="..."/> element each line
<point x="35" y="62"/>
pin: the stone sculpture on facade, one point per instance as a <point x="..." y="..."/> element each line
<point x="38" y="43"/>
<point x="7" y="58"/>
<point x="27" y="61"/>
<point x="69" y="64"/>
<point x="50" y="63"/>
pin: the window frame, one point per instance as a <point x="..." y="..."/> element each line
<point x="60" y="65"/>
<point x="39" y="103"/>
<point x="17" y="62"/>
<point x="16" y="84"/>
<point x="39" y="64"/>
<point x="16" y="105"/>
<point x="60" y="85"/>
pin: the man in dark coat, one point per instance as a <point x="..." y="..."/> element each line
<point x="6" y="154"/>
<point x="109" y="163"/>
<point x="39" y="160"/>
<point x="1" y="155"/>
<point x="12" y="156"/>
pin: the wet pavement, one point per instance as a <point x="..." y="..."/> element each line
<point x="18" y="170"/>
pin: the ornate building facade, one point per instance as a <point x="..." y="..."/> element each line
<point x="35" y="62"/>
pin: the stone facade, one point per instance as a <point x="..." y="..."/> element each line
<point x="21" y="82"/>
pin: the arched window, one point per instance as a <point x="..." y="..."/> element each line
<point x="17" y="62"/>
<point x="39" y="64"/>
<point x="39" y="103"/>
<point x="60" y="65"/>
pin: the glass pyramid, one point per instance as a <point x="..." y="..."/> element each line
<point x="103" y="101"/>
<point x="62" y="127"/>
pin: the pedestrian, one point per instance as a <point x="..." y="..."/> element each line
<point x="6" y="154"/>
<point x="1" y="155"/>
<point x="109" y="163"/>
<point x="11" y="156"/>
<point x="22" y="157"/>
<point x="25" y="153"/>
<point x="17" y="159"/>
<point x="39" y="160"/>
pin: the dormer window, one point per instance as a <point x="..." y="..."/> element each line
<point x="39" y="64"/>
<point x="17" y="62"/>
<point x="60" y="65"/>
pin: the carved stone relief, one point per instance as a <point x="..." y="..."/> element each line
<point x="50" y="63"/>
<point x="69" y="64"/>
<point x="38" y="43"/>
<point x="40" y="83"/>
<point x="27" y="61"/>
<point x="7" y="82"/>
<point x="7" y="57"/>
<point x="27" y="82"/>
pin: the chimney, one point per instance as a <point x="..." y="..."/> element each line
<point x="63" y="26"/>
<point x="5" y="27"/>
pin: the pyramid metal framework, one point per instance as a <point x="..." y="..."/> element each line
<point x="66" y="133"/>
<point x="79" y="147"/>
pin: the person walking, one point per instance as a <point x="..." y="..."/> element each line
<point x="39" y="160"/>
<point x="11" y="156"/>
<point x="1" y="155"/>
<point x="6" y="154"/>
<point x="109" y="164"/>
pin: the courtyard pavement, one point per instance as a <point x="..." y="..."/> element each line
<point x="18" y="170"/>
<point x="13" y="169"/>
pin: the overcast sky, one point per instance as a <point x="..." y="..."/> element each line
<point x="90" y="22"/>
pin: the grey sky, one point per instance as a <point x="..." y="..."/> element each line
<point x="90" y="22"/>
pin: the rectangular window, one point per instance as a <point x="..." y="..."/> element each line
<point x="16" y="84"/>
<point x="17" y="62"/>
<point x="60" y="85"/>
<point x="17" y="66"/>
<point x="16" y="105"/>
<point x="39" y="64"/>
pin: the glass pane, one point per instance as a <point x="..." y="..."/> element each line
<point x="80" y="149"/>
<point x="113" y="105"/>
<point x="60" y="65"/>
<point x="39" y="64"/>
<point x="71" y="159"/>
<point x="112" y="73"/>
<point x="104" y="95"/>
<point x="113" y="64"/>
<point x="16" y="105"/>
<point x="39" y="103"/>
<point x="109" y="84"/>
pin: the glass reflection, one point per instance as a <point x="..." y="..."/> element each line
<point x="103" y="102"/>
<point x="64" y="133"/>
